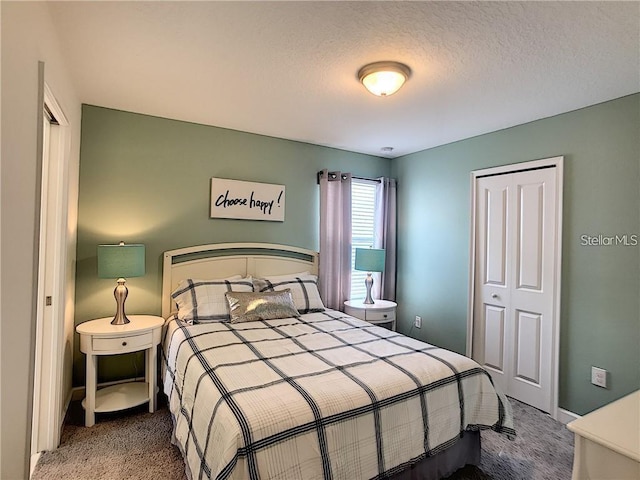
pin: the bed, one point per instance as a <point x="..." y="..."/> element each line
<point x="316" y="394"/>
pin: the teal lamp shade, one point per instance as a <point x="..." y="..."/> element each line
<point x="120" y="261"/>
<point x="369" y="260"/>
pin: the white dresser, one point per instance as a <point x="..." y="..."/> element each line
<point x="607" y="441"/>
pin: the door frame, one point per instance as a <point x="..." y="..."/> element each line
<point x="48" y="404"/>
<point x="558" y="163"/>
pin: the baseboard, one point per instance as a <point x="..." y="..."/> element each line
<point x="78" y="393"/>
<point x="565" y="416"/>
<point x="65" y="408"/>
<point x="33" y="462"/>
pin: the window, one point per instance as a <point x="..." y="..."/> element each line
<point x="363" y="204"/>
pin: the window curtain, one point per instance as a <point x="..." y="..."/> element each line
<point x="384" y="286"/>
<point x="334" y="281"/>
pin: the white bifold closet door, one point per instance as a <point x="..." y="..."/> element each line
<point x="515" y="242"/>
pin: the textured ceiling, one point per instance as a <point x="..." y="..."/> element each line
<point x="288" y="69"/>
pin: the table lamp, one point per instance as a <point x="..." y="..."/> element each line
<point x="120" y="261"/>
<point x="369" y="260"/>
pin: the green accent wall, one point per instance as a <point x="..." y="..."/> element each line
<point x="146" y="180"/>
<point x="600" y="300"/>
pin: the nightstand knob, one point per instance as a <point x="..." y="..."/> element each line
<point x="124" y="344"/>
<point x="385" y="315"/>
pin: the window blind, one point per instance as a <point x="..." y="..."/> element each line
<point x="363" y="202"/>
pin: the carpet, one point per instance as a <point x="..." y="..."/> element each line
<point x="542" y="450"/>
<point x="136" y="445"/>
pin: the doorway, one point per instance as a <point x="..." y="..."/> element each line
<point x="49" y="406"/>
<point x="513" y="326"/>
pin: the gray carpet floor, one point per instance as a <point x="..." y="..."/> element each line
<point x="136" y="445"/>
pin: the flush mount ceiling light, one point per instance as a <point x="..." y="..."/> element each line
<point x="384" y="78"/>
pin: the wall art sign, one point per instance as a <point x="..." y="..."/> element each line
<point x="247" y="200"/>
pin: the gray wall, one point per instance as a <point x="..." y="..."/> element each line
<point x="28" y="36"/>
<point x="147" y="179"/>
<point x="600" y="311"/>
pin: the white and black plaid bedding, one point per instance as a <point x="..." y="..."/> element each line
<point x="323" y="395"/>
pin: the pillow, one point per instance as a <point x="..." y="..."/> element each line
<point x="303" y="286"/>
<point x="202" y="301"/>
<point x="252" y="306"/>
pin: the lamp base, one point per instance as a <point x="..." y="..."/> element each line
<point x="368" y="282"/>
<point x="117" y="320"/>
<point x="120" y="293"/>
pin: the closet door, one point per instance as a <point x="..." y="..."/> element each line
<point x="492" y="294"/>
<point x="514" y="324"/>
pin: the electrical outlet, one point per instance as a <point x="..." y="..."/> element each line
<point x="599" y="377"/>
<point x="417" y="322"/>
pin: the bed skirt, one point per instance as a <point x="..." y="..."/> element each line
<point x="465" y="451"/>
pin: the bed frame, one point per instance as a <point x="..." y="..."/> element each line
<point x="221" y="260"/>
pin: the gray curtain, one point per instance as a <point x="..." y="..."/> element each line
<point x="334" y="281"/>
<point x="385" y="237"/>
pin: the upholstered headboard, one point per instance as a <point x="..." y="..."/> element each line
<point x="222" y="260"/>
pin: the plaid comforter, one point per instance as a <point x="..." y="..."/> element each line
<point x="323" y="395"/>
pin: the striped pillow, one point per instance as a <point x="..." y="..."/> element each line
<point x="303" y="286"/>
<point x="203" y="301"/>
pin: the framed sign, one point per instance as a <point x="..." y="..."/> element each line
<point x="247" y="200"/>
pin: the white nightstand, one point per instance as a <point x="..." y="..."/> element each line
<point x="99" y="337"/>
<point x="380" y="313"/>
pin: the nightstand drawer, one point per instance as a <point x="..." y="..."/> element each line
<point x="384" y="315"/>
<point x="123" y="344"/>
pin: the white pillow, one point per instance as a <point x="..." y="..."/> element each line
<point x="202" y="301"/>
<point x="303" y="286"/>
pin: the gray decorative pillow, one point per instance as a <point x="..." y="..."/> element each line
<point x="303" y="286"/>
<point x="202" y="301"/>
<point x="253" y="306"/>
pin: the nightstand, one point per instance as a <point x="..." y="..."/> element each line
<point x="98" y="337"/>
<point x="380" y="313"/>
<point x="607" y="444"/>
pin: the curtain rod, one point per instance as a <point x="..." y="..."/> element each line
<point x="319" y="174"/>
